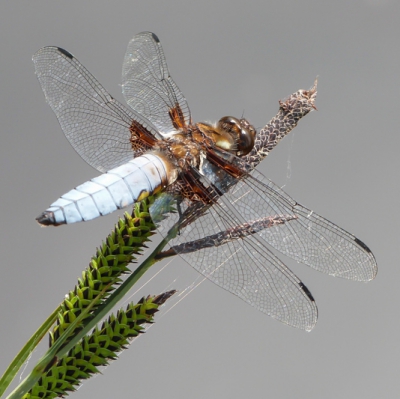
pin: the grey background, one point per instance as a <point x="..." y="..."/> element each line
<point x="228" y="58"/>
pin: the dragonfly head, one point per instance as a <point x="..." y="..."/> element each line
<point x="241" y="131"/>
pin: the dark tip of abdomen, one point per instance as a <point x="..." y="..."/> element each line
<point x="47" y="219"/>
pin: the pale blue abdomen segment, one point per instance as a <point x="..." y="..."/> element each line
<point x="116" y="189"/>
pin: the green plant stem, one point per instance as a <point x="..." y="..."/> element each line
<point x="20" y="359"/>
<point x="57" y="350"/>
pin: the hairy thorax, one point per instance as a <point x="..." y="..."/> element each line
<point x="186" y="150"/>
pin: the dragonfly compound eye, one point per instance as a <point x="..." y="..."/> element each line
<point x="242" y="132"/>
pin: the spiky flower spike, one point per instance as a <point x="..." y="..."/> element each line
<point x="102" y="276"/>
<point x="108" y="265"/>
<point x="291" y="110"/>
<point x="97" y="349"/>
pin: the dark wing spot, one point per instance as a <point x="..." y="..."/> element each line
<point x="155" y="38"/>
<point x="307" y="292"/>
<point x="65" y="52"/>
<point x="362" y="245"/>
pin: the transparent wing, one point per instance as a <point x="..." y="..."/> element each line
<point x="243" y="266"/>
<point x="97" y="126"/>
<point x="147" y="86"/>
<point x="222" y="247"/>
<point x="310" y="238"/>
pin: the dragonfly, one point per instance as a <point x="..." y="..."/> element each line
<point x="229" y="214"/>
